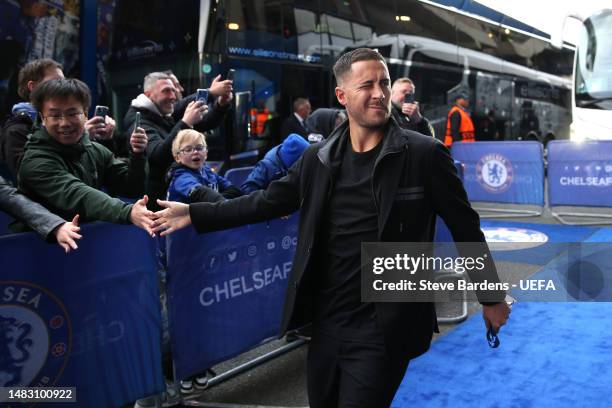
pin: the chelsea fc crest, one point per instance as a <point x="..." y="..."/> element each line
<point x="35" y="335"/>
<point x="494" y="173"/>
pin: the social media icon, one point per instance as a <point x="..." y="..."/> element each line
<point x="212" y="262"/>
<point x="286" y="242"/>
<point x="232" y="256"/>
<point x="271" y="245"/>
<point x="252" y="250"/>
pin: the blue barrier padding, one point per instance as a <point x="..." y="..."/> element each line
<point x="238" y="175"/>
<point x="580" y="174"/>
<point x="89" y="319"/>
<point x="226" y="290"/>
<point x="503" y="172"/>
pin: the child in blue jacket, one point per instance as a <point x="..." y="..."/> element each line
<point x="190" y="179"/>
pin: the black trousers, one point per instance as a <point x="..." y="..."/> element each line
<point x="347" y="374"/>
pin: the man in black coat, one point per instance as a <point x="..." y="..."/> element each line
<point x="370" y="181"/>
<point x="295" y="123"/>
<point x="407" y="113"/>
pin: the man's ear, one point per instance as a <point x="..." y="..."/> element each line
<point x="147" y="93"/>
<point x="341" y="96"/>
<point x="31" y="85"/>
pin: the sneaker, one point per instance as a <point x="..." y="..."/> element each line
<point x="186" y="387"/>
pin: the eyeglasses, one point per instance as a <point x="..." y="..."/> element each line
<point x="191" y="149"/>
<point x="57" y="117"/>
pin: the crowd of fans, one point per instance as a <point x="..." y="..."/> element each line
<point x="62" y="165"/>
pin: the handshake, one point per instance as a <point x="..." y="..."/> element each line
<point x="173" y="217"/>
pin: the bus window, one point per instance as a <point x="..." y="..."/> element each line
<point x="254" y="26"/>
<point x="426" y="21"/>
<point x="477" y="35"/>
<point x="308" y="35"/>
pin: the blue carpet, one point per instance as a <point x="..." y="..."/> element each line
<point x="601" y="235"/>
<point x="551" y="355"/>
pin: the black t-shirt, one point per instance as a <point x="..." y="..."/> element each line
<point x="350" y="218"/>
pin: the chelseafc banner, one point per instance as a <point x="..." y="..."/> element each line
<point x="580" y="173"/>
<point x="502" y="172"/>
<point x="226" y="290"/>
<point x="88" y="319"/>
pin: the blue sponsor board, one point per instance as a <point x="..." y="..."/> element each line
<point x="88" y="319"/>
<point x="502" y="172"/>
<point x="580" y="174"/>
<point x="226" y="290"/>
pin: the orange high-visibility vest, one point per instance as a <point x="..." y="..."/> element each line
<point x="258" y="120"/>
<point x="466" y="127"/>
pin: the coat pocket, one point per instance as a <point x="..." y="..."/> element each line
<point x="410" y="193"/>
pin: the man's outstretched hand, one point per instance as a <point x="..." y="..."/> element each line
<point x="173" y="217"/>
<point x="141" y="217"/>
<point x="68" y="233"/>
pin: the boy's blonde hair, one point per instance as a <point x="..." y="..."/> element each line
<point x="184" y="135"/>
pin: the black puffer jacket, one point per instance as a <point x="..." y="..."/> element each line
<point x="14" y="137"/>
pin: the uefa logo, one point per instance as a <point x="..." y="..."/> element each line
<point x="35" y="336"/>
<point x="495" y="173"/>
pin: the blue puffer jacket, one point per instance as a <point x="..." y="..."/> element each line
<point x="275" y="164"/>
<point x="268" y="169"/>
<point x="185" y="180"/>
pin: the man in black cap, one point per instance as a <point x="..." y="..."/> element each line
<point x="459" y="125"/>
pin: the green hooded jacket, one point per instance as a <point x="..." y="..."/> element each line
<point x="67" y="179"/>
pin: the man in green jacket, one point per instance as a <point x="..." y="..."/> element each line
<point x="65" y="171"/>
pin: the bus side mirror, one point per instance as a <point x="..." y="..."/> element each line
<point x="557" y="37"/>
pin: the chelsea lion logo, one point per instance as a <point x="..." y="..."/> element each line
<point x="35" y="336"/>
<point x="494" y="173"/>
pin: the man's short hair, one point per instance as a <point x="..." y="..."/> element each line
<point x="343" y="65"/>
<point x="61" y="88"/>
<point x="34" y="71"/>
<point x="403" y="80"/>
<point x="298" y="103"/>
<point x="150" y="80"/>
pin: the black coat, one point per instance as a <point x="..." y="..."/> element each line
<point x="423" y="127"/>
<point x="293" y="125"/>
<point x="161" y="132"/>
<point x="29" y="212"/>
<point x="14" y="137"/>
<point x="408" y="160"/>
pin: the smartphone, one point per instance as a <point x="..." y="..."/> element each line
<point x="230" y="74"/>
<point x="137" y="121"/>
<point x="409" y="97"/>
<point x="101" y="111"/>
<point x="202" y="95"/>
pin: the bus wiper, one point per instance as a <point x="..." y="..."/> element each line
<point x="594" y="101"/>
